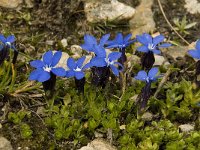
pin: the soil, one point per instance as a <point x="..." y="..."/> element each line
<point x="175" y="9"/>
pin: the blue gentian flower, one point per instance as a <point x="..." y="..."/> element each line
<point x="152" y="75"/>
<point x="151" y="44"/>
<point x="46" y="66"/>
<point x="195" y="53"/>
<point x="7" y="40"/>
<point x="120" y="41"/>
<point x="90" y="42"/>
<point x="76" y="68"/>
<point x="102" y="60"/>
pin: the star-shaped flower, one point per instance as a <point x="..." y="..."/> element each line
<point x="195" y="53"/>
<point x="90" y="42"/>
<point x="150" y="77"/>
<point x="7" y="40"/>
<point x="120" y="41"/>
<point x="76" y="68"/>
<point x="46" y="66"/>
<point x="151" y="44"/>
<point x="110" y="60"/>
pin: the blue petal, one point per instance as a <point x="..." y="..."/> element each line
<point x="37" y="63"/>
<point x="100" y="51"/>
<point x="98" y="62"/>
<point x="2" y="38"/>
<point x="194" y="53"/>
<point x="114" y="56"/>
<point x="10" y="38"/>
<point x="70" y="73"/>
<point x="142" y="39"/>
<point x="87" y="47"/>
<point x="89" y="39"/>
<point x="142" y="75"/>
<point x="152" y="73"/>
<point x="143" y="48"/>
<point x="148" y="38"/>
<point x="80" y="61"/>
<point x="164" y="45"/>
<point x="71" y="63"/>
<point x="114" y="70"/>
<point x="158" y="39"/>
<point x="198" y="45"/>
<point x="127" y="38"/>
<point x="47" y="57"/>
<point x="119" y="38"/>
<point x="56" y="57"/>
<point x="44" y="76"/>
<point x="155" y="51"/>
<point x="59" y="71"/>
<point x="79" y="75"/>
<point x="35" y="74"/>
<point x="104" y="39"/>
<point x="112" y="45"/>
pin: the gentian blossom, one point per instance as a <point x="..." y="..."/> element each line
<point x="7" y="43"/>
<point x="148" y="78"/>
<point x="7" y="40"/>
<point x="104" y="60"/>
<point x="90" y="42"/>
<point x="76" y="68"/>
<point x="121" y="43"/>
<point x="195" y="53"/>
<point x="151" y="44"/>
<point x="46" y="67"/>
<point x="145" y="94"/>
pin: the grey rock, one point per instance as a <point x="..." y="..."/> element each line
<point x="5" y="144"/>
<point x="160" y="60"/>
<point x="176" y="51"/>
<point x="64" y="42"/>
<point x="192" y="6"/>
<point x="98" y="144"/>
<point x="143" y="20"/>
<point x="10" y="3"/>
<point x="112" y="10"/>
<point x="76" y="50"/>
<point x="186" y="127"/>
<point x="147" y="116"/>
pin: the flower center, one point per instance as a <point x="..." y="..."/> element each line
<point x="109" y="62"/>
<point x="47" y="68"/>
<point x="151" y="46"/>
<point x="122" y="45"/>
<point x="8" y="43"/>
<point x="77" y="69"/>
<point x="147" y="79"/>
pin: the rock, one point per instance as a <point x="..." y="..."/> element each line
<point x="147" y="116"/>
<point x="160" y="60"/>
<point x="186" y="127"/>
<point x="143" y="20"/>
<point x="76" y="50"/>
<point x="98" y="144"/>
<point x="63" y="61"/>
<point x="112" y="10"/>
<point x="192" y="6"/>
<point x="10" y="3"/>
<point x="5" y="144"/>
<point x="64" y="42"/>
<point x="29" y="3"/>
<point x="176" y="51"/>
